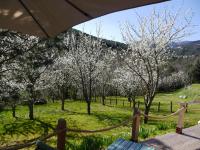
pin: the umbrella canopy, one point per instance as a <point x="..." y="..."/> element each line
<point x="47" y="18"/>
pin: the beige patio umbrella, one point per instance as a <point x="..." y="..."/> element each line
<point x="47" y="18"/>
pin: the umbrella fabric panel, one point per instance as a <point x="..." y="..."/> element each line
<point x="13" y="16"/>
<point x="47" y="18"/>
<point x="54" y="16"/>
<point x="43" y="18"/>
<point x="97" y="8"/>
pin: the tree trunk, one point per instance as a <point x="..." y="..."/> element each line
<point x="103" y="100"/>
<point x="31" y="101"/>
<point x="148" y="101"/>
<point x="103" y="96"/>
<point x="13" y="110"/>
<point x="63" y="104"/>
<point x="134" y="104"/>
<point x="88" y="107"/>
<point x="62" y="98"/>
<point x="53" y="99"/>
<point x="90" y="90"/>
<point x="74" y="94"/>
<point x="31" y="110"/>
<point x="146" y="112"/>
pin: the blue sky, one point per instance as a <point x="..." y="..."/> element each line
<point x="111" y="22"/>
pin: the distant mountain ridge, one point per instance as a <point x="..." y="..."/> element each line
<point x="109" y="43"/>
<point x="180" y="48"/>
<point x="187" y="48"/>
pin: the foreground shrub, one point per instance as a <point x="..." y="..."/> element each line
<point x="145" y="133"/>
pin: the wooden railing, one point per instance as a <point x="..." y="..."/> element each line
<point x="62" y="129"/>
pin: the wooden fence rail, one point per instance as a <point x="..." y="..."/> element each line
<point x="132" y="104"/>
<point x="62" y="129"/>
<point x="135" y="125"/>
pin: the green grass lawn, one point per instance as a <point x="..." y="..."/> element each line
<point x="21" y="128"/>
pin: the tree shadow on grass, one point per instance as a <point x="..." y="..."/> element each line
<point x="5" y="110"/>
<point x="45" y="125"/>
<point x="112" y="119"/>
<point x="70" y="112"/>
<point x="25" y="127"/>
<point x="110" y="105"/>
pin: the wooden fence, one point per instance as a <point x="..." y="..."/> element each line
<point x="132" y="104"/>
<point x="62" y="129"/>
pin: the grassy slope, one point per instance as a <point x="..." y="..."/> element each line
<point x="102" y="116"/>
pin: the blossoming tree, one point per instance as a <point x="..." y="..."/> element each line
<point x="149" y="48"/>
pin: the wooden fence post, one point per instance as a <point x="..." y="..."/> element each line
<point x="171" y="107"/>
<point x="61" y="134"/>
<point x="159" y="107"/>
<point x="180" y="122"/>
<point x="135" y="125"/>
